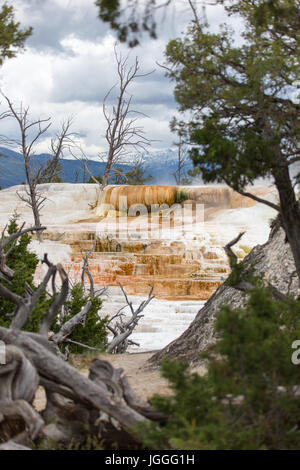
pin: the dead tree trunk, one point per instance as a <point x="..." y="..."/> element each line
<point x="182" y="161"/>
<point x="36" y="175"/>
<point x="289" y="211"/>
<point x="122" y="134"/>
<point x="104" y="402"/>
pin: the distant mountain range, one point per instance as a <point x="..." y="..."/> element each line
<point x="161" y="165"/>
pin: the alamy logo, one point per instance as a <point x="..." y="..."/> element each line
<point x="159" y="221"/>
<point x="2" y="353"/>
<point x="296" y="354"/>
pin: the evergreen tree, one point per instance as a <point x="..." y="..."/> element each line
<point x="119" y="177"/>
<point x="51" y="172"/>
<point x="244" y="100"/>
<point x="93" y="332"/>
<point x="137" y="174"/>
<point x="24" y="264"/>
<point x="247" y="398"/>
<point x="12" y="38"/>
<point x="129" y="28"/>
<point x="98" y="178"/>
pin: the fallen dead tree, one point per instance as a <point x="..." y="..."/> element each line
<point x="102" y="405"/>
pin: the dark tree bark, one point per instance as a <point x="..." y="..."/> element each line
<point x="289" y="211"/>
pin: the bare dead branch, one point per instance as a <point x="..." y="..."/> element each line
<point x="122" y="134"/>
<point x="6" y="273"/>
<point x="45" y="173"/>
<point x="85" y="271"/>
<point x="101" y="401"/>
<point x="245" y="285"/>
<point x="59" y="300"/>
<point x="122" y="330"/>
<point x="69" y="326"/>
<point x="231" y="255"/>
<point x="87" y="392"/>
<point x="259" y="199"/>
<point x="83" y="345"/>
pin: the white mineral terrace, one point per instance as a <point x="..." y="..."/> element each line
<point x="163" y="320"/>
<point x="182" y="257"/>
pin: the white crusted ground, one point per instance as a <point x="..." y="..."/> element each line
<point x="163" y="320"/>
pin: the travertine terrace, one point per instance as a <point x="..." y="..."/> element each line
<point x="137" y="248"/>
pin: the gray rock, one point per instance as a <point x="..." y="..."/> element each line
<point x="274" y="259"/>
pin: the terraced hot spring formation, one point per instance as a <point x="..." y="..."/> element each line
<point x="188" y="264"/>
<point x="125" y="198"/>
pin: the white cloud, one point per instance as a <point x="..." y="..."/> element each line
<point x="69" y="66"/>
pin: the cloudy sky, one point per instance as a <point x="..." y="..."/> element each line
<point x="68" y="67"/>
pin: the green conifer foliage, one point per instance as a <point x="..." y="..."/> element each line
<point x="246" y="400"/>
<point x="93" y="332"/>
<point x="12" y="38"/>
<point x="24" y="264"/>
